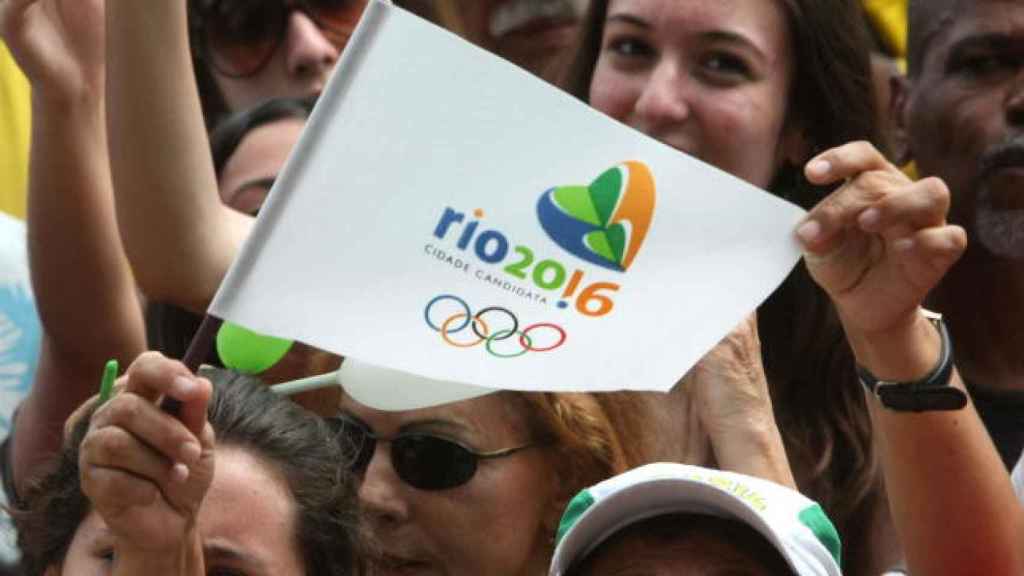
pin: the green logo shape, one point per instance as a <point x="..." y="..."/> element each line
<point x="603" y="223"/>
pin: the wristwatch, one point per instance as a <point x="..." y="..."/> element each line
<point x="931" y="393"/>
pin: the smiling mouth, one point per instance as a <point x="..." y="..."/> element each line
<point x="1007" y="157"/>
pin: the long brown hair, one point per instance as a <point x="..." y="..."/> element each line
<point x="818" y="403"/>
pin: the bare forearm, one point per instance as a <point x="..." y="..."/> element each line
<point x="757" y="450"/>
<point x="83" y="285"/>
<point x="950" y="496"/>
<point x="178" y="236"/>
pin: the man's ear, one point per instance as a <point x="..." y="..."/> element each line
<point x="899" y="87"/>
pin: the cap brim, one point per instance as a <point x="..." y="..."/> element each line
<point x="395" y="390"/>
<point x="652" y="498"/>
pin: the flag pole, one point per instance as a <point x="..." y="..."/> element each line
<point x="198" y="349"/>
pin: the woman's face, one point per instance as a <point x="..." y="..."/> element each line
<point x="247" y="525"/>
<point x="249" y="173"/>
<point x="299" y="67"/>
<point x="708" y="78"/>
<point x="493" y="524"/>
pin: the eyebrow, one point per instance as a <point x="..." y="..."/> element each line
<point x="712" y="36"/>
<point x="629" y="19"/>
<point x="992" y="40"/>
<point x="436" y="424"/>
<point x="223" y="552"/>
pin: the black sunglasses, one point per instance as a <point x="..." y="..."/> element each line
<point x="238" y="38"/>
<point x="423" y="461"/>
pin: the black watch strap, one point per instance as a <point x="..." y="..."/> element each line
<point x="932" y="392"/>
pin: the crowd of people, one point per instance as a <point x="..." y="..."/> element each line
<point x="842" y="428"/>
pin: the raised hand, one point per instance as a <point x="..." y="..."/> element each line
<point x="728" y="395"/>
<point x="145" y="471"/>
<point x="59" y="44"/>
<point x="879" y="243"/>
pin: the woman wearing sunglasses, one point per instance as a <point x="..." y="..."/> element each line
<point x="247" y="52"/>
<point x="73" y="233"/>
<point x="478" y="486"/>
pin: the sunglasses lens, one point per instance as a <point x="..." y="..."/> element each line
<point x="241" y="37"/>
<point x="431" y="463"/>
<point x="337" y="18"/>
<point x="356" y="442"/>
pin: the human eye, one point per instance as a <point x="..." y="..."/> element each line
<point x="725" y="67"/>
<point x="975" y="64"/>
<point x="240" y="24"/>
<point x="630" y="47"/>
<point x="984" y="62"/>
<point x="106" y="554"/>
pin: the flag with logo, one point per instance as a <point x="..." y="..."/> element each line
<point x="448" y="217"/>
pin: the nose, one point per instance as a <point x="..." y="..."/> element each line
<point x="309" y="54"/>
<point x="381" y="492"/>
<point x="664" y="98"/>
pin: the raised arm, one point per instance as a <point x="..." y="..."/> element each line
<point x="178" y="236"/>
<point x="878" y="245"/>
<point x="726" y="396"/>
<point x="83" y="287"/>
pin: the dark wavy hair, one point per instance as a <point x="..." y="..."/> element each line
<point x="818" y="402"/>
<point x="244" y="414"/>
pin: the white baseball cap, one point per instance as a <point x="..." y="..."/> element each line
<point x="795" y="525"/>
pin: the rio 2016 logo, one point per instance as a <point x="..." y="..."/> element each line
<point x="603" y="224"/>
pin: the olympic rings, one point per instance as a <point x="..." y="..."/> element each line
<point x="506" y="334"/>
<point x="511" y="331"/>
<point x="426" y="311"/>
<point x="527" y="344"/>
<point x="460" y="320"/>
<point x="445" y="332"/>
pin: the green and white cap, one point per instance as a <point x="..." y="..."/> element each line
<point x="794" y="524"/>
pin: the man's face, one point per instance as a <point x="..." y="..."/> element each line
<point x="964" y="117"/>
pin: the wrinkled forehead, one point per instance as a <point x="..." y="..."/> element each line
<point x="935" y="25"/>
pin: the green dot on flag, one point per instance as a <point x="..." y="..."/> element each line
<point x="249" y="352"/>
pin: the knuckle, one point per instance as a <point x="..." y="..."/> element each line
<point x="874" y="183"/>
<point x="124" y="409"/>
<point x="110" y="445"/>
<point x="935" y="187"/>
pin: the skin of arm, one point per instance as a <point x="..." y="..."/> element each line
<point x="177" y="235"/>
<point x="83" y="287"/>
<point x="727" y="399"/>
<point x="878" y="245"/>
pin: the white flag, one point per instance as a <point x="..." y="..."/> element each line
<point x="448" y="215"/>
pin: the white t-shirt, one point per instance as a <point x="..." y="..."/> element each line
<point x="19" y="343"/>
